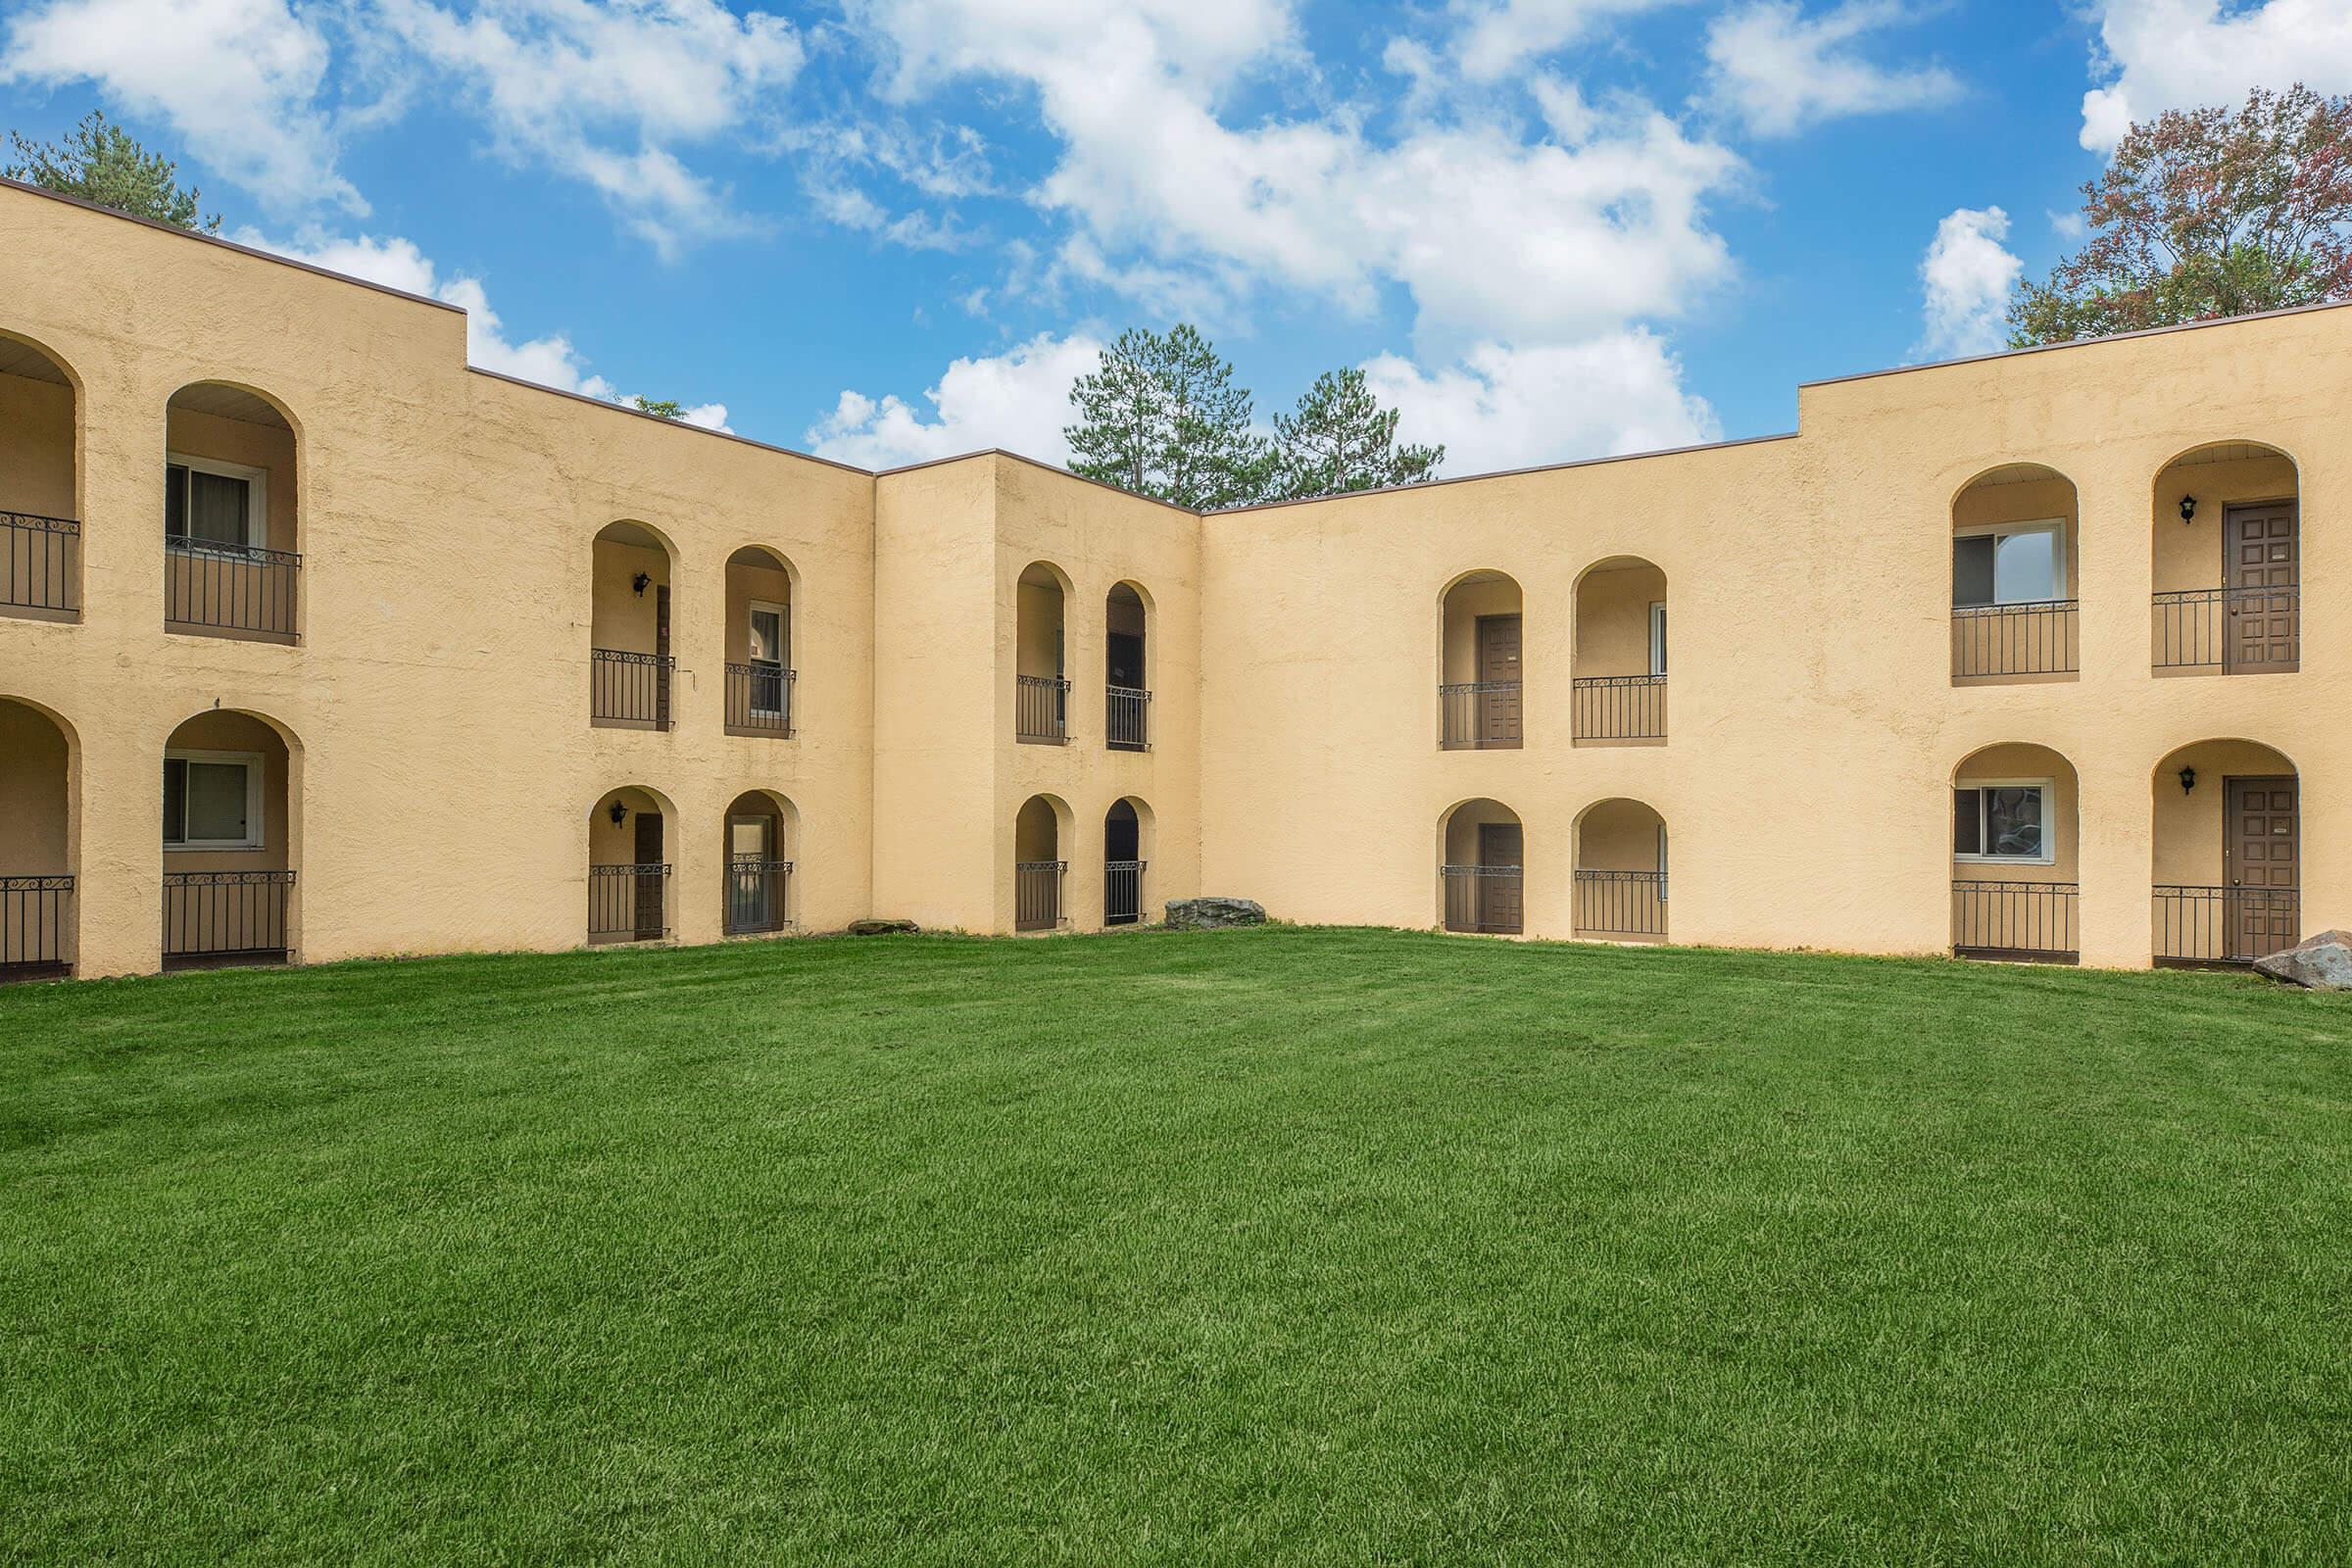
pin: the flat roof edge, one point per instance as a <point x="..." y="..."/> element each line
<point x="2079" y="343"/>
<point x="674" y="424"/>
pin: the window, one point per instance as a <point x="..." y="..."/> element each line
<point x="2016" y="563"/>
<point x="221" y="505"/>
<point x="212" y="801"/>
<point x="2002" y="821"/>
<point x="1657" y="639"/>
<point x="768" y="636"/>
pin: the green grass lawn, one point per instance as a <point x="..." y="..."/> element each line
<point x="1269" y="1246"/>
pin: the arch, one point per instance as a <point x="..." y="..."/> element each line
<point x="1619" y="849"/>
<point x="1126" y="667"/>
<point x="1481" y="662"/>
<point x="1481" y="868"/>
<point x="2225" y="852"/>
<point x="632" y="671"/>
<point x="2224" y="559"/>
<point x="1041" y="841"/>
<point x="41" y="834"/>
<point x="1127" y="834"/>
<point x="1617" y="673"/>
<point x="1040" y="656"/>
<point x="232" y="514"/>
<point x="41" y="481"/>
<point x="630" y="849"/>
<point x="2016" y="570"/>
<point x="763" y="594"/>
<point x="231" y="840"/>
<point x="2015" y="847"/>
<point x="760" y="841"/>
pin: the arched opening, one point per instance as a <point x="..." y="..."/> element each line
<point x="1621" y="872"/>
<point x="1126" y="670"/>
<point x="1038" y="834"/>
<point x="1041" y="713"/>
<point x="2016" y="557"/>
<point x="1619" y="680"/>
<point x="1480" y="665"/>
<point x="232" y="518"/>
<point x="40" y="498"/>
<point x="2228" y="836"/>
<point x="38" y="844"/>
<point x="2014" y="836"/>
<point x="629" y="866"/>
<point x="763" y="829"/>
<point x="1126" y="861"/>
<point x="1482" y="856"/>
<point x="2226" y="553"/>
<point x="629" y="657"/>
<point x="230" y="840"/>
<point x="760" y="668"/>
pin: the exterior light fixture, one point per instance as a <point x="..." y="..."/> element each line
<point x="638" y="582"/>
<point x="2189" y="508"/>
<point x="2189" y="779"/>
<point x="618" y="813"/>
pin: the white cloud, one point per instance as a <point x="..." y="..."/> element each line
<point x="1777" y="71"/>
<point x="1967" y="276"/>
<point x="1496" y="36"/>
<point x="1019" y="400"/>
<point x="238" y="79"/>
<point x="1504" y="408"/>
<point x="2190" y="54"/>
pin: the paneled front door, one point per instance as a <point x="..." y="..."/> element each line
<point x="2260" y="573"/>
<point x="1500" y="906"/>
<point x="1498" y="673"/>
<point x="2260" y="847"/>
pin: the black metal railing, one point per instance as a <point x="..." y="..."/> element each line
<point x="37" y="914"/>
<point x="628" y="902"/>
<point x="2035" y="639"/>
<point x="2030" y="922"/>
<point x="625" y="688"/>
<point x="1036" y="895"/>
<point x="1122" y="892"/>
<point x="2194" y="629"/>
<point x="1041" y="713"/>
<point x="758" y="895"/>
<point x="1621" y="904"/>
<point x="1485" y="898"/>
<point x="1126" y="718"/>
<point x="2197" y="925"/>
<point x="40" y="562"/>
<point x="226" y="916"/>
<point x="760" y="700"/>
<point x="1479" y="716"/>
<point x="220" y="587"/>
<point x="1619" y="707"/>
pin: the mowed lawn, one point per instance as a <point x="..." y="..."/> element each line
<point x="1251" y="1248"/>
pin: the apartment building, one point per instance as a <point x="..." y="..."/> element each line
<point x="316" y="643"/>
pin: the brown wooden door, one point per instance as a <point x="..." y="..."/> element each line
<point x="652" y="885"/>
<point x="1498" y="669"/>
<point x="661" y="647"/>
<point x="2262" y="571"/>
<point x="2259" y="849"/>
<point x="1499" y="898"/>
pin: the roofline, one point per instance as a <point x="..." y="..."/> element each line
<point x="1514" y="473"/>
<point x="179" y="232"/>
<point x="1034" y="462"/>
<point x="2079" y="343"/>
<point x="674" y="424"/>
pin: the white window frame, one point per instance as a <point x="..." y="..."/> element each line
<point x="783" y="633"/>
<point x="1663" y="878"/>
<point x="256" y="773"/>
<point x="2053" y="526"/>
<point x="2049" y="820"/>
<point x="1658" y="637"/>
<point x="256" y="498"/>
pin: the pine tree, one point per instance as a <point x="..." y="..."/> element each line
<point x="1161" y="416"/>
<point x="1340" y="439"/>
<point x="103" y="163"/>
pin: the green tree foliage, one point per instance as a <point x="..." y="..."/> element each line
<point x="2207" y="212"/>
<point x="660" y="407"/>
<point x="1340" y="439"/>
<point x="105" y="164"/>
<point x="1161" y="416"/>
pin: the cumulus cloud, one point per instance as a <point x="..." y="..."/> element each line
<point x="1967" y="276"/>
<point x="1505" y="408"/>
<point x="1497" y="36"/>
<point x="1777" y="71"/>
<point x="1018" y="400"/>
<point x="2190" y="54"/>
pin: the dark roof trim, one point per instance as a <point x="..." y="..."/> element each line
<point x="1514" y="473"/>
<point x="1034" y="462"/>
<point x="674" y="424"/>
<point x="2079" y="343"/>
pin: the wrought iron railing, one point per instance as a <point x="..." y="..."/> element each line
<point x="2035" y="639"/>
<point x="1126" y="718"/>
<point x="1122" y="892"/>
<point x="758" y="895"/>
<point x="1036" y="895"/>
<point x="213" y="587"/>
<point x="2196" y="925"/>
<point x="628" y="902"/>
<point x="36" y="918"/>
<point x="760" y="700"/>
<point x="40" y="562"/>
<point x="2194" y="629"/>
<point x="226" y="916"/>
<point x="1621" y="904"/>
<point x="625" y="688"/>
<point x="1619" y="707"/>
<point x="1485" y="898"/>
<point x="2033" y="921"/>
<point x="1041" y="713"/>
<point x="1476" y="716"/>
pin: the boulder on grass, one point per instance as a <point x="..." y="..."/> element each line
<point x="1213" y="914"/>
<point x="880" y="928"/>
<point x="2321" y="963"/>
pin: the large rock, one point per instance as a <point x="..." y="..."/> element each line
<point x="879" y="928"/>
<point x="1211" y="914"/>
<point x="2323" y="962"/>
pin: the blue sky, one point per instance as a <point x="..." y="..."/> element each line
<point x="892" y="230"/>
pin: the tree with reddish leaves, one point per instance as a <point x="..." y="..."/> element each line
<point x="2207" y="212"/>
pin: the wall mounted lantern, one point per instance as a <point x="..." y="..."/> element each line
<point x="620" y="814"/>
<point x="2189" y="508"/>
<point x="2189" y="779"/>
<point x="638" y="582"/>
